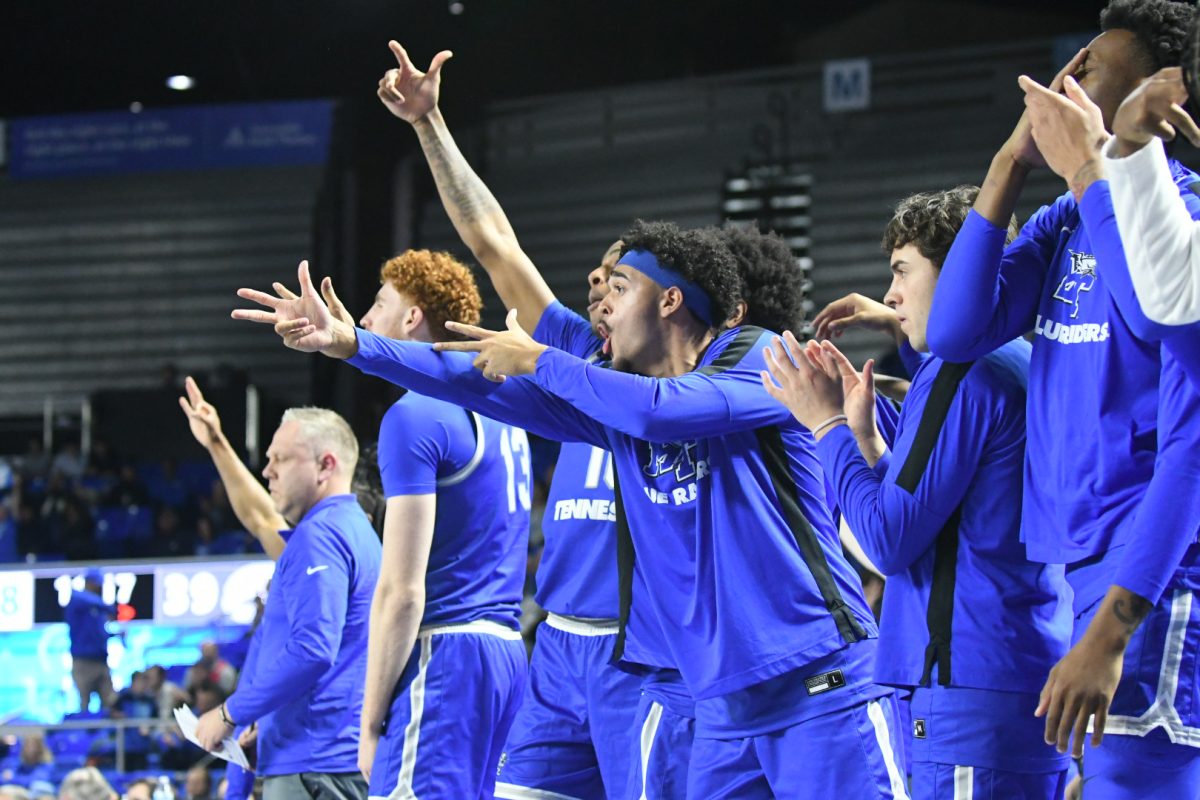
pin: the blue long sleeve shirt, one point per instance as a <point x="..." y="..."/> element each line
<point x="1095" y="478"/>
<point x="307" y="695"/>
<point x="723" y="494"/>
<point x="87" y="618"/>
<point x="941" y="519"/>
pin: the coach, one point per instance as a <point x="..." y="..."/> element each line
<point x="308" y="688"/>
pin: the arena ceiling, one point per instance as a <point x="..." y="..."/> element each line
<point x="92" y="55"/>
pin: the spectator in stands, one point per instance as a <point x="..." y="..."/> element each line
<point x="212" y="668"/>
<point x="42" y="790"/>
<point x="208" y="697"/>
<point x="166" y="487"/>
<point x="87" y="618"/>
<point x="10" y="505"/>
<point x="137" y="702"/>
<point x="86" y="783"/>
<point x="102" y="461"/>
<point x="128" y="490"/>
<point x="35" y="463"/>
<point x="13" y="792"/>
<point x="167" y="695"/>
<point x="36" y="762"/>
<point x="141" y="789"/>
<point x="199" y="784"/>
<point x="77" y="531"/>
<point x="170" y="539"/>
<point x="206" y="543"/>
<point x="68" y="462"/>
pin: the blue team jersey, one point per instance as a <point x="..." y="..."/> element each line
<point x="719" y="486"/>
<point x="1095" y="474"/>
<point x="307" y="696"/>
<point x="940" y="516"/>
<point x="577" y="575"/>
<point x="479" y="469"/>
<point x="87" y="618"/>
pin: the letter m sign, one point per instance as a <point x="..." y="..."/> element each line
<point x="848" y="85"/>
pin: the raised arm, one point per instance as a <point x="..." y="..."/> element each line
<point x="412" y="96"/>
<point x="305" y="323"/>
<point x="251" y="503"/>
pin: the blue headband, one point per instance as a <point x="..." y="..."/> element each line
<point x="695" y="299"/>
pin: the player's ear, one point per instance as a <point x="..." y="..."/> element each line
<point x="413" y="318"/>
<point x="670" y="301"/>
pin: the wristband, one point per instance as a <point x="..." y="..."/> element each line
<point x="828" y="422"/>
<point x="225" y="717"/>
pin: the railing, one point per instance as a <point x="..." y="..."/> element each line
<point x="120" y="725"/>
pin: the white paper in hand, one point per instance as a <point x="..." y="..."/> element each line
<point x="230" y="750"/>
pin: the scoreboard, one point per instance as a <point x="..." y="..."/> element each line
<point x="179" y="593"/>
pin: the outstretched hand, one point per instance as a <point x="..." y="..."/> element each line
<point x="500" y="354"/>
<point x="406" y="91"/>
<point x="1068" y="129"/>
<point x="202" y="416"/>
<point x="1155" y="108"/>
<point x="304" y="323"/>
<point x="337" y="309"/>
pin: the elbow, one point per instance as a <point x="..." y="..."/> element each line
<point x="944" y="343"/>
<point x="397" y="599"/>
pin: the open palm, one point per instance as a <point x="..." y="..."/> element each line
<point x="304" y="322"/>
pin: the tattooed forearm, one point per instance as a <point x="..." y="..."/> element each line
<point x="1085" y="176"/>
<point x="1131" y="611"/>
<point x="467" y="197"/>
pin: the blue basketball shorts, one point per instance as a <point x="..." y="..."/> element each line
<point x="571" y="737"/>
<point x="451" y="712"/>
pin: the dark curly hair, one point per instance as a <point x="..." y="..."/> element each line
<point x="1161" y="28"/>
<point x="367" y="485"/>
<point x="930" y="221"/>
<point x="773" y="285"/>
<point x="698" y="254"/>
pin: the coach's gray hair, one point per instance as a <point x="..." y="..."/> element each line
<point x="326" y="431"/>
<point x="85" y="783"/>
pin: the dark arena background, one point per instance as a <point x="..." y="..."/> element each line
<point x="157" y="156"/>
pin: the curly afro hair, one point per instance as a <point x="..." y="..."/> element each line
<point x="1161" y="28"/>
<point x="367" y="485"/>
<point x="930" y="221"/>
<point x="439" y="284"/>
<point x="700" y="255"/>
<point x="773" y="285"/>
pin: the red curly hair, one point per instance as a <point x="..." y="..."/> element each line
<point x="439" y="284"/>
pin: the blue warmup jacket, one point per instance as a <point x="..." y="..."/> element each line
<point x="940" y="516"/>
<point x="720" y="488"/>
<point x="1106" y="462"/>
<point x="307" y="688"/>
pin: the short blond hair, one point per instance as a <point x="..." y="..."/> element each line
<point x="325" y="431"/>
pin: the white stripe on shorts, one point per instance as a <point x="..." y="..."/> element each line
<point x="583" y="627"/>
<point x="649" y="730"/>
<point x="964" y="783"/>
<point x="1162" y="713"/>
<point x="883" y="737"/>
<point x="412" y="731"/>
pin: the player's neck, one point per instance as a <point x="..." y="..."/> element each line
<point x="680" y="350"/>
